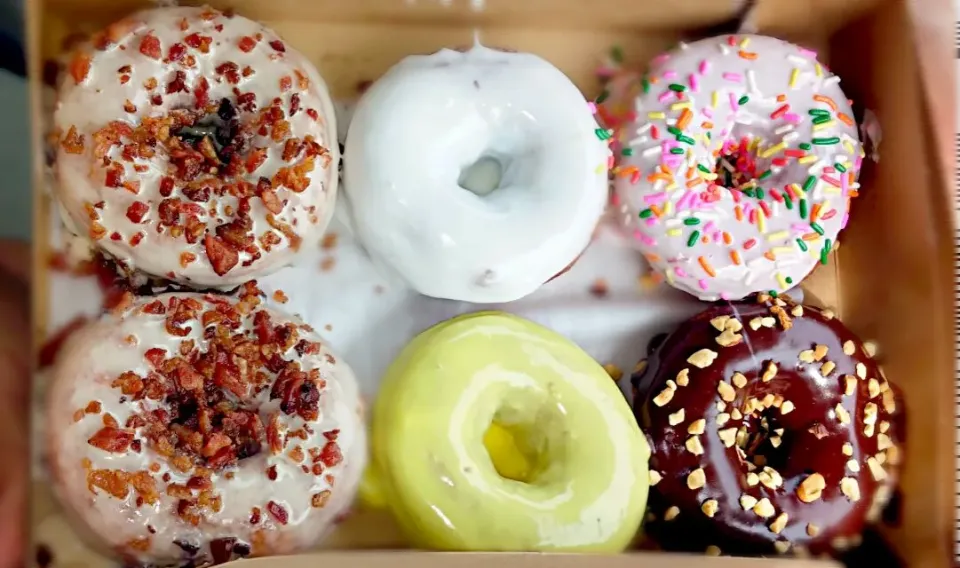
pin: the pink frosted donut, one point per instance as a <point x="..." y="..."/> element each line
<point x="195" y="428"/>
<point x="738" y="158"/>
<point x="195" y="146"/>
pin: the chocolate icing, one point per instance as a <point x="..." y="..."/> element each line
<point x="812" y="438"/>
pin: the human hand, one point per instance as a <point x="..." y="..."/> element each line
<point x="15" y="374"/>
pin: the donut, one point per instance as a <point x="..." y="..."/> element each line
<point x="462" y="147"/>
<point x="493" y="433"/>
<point x="193" y="428"/>
<point x="772" y="430"/>
<point x="195" y="146"/>
<point x="737" y="159"/>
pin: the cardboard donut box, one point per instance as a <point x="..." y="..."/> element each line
<point x="890" y="281"/>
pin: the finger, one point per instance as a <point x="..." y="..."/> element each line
<point x="13" y="499"/>
<point x="15" y="259"/>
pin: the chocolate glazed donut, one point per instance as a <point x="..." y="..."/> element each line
<point x="771" y="428"/>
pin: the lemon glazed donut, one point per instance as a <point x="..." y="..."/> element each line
<point x="739" y="159"/>
<point x="195" y="146"/>
<point x="467" y="180"/>
<point x="196" y="428"/>
<point x="493" y="433"/>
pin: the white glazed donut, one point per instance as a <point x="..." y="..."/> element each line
<point x="195" y="146"/>
<point x="187" y="426"/>
<point x="780" y="124"/>
<point x="512" y="129"/>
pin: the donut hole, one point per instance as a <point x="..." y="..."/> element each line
<point x="226" y="431"/>
<point x="525" y="447"/>
<point x="483" y="176"/>
<point x="765" y="442"/>
<point x="738" y="166"/>
<point x="214" y="135"/>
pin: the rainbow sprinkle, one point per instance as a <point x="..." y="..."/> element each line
<point x="785" y="163"/>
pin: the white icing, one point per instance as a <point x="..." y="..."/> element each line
<point x="431" y="116"/>
<point x="713" y="68"/>
<point x="100" y="99"/>
<point x="94" y="356"/>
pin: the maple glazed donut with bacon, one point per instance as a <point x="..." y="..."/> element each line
<point x="772" y="430"/>
<point x="194" y="428"/>
<point x="739" y="156"/>
<point x="195" y="146"/>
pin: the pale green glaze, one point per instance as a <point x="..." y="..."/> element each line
<point x="429" y="462"/>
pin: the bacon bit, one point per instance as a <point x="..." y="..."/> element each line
<point x="255" y="159"/>
<point x="286" y="83"/>
<point x="281" y="130"/>
<point x="275" y="435"/>
<point x="291" y="149"/>
<point x="129" y="383"/>
<point x="186" y="258"/>
<point x="277" y="45"/>
<point x="97" y="231"/>
<point x="150" y="46"/>
<point x="280" y="297"/>
<point x="202" y="93"/>
<point x="230" y="70"/>
<point x="129" y="106"/>
<point x="178" y="84"/>
<point x="247" y="44"/>
<point x="166" y="186"/>
<point x="278" y="512"/>
<point x="111" y="439"/>
<point x="114" y="176"/>
<point x="145" y="486"/>
<point x="222" y="257"/>
<point x="79" y="67"/>
<point x="247" y="101"/>
<point x="155" y="356"/>
<point x="312" y="113"/>
<point x="330" y="455"/>
<point x="113" y="481"/>
<point x="72" y="142"/>
<point x="198" y="41"/>
<point x="269" y="198"/>
<point x="319" y="500"/>
<point x="302" y="80"/>
<point x="176" y="52"/>
<point x="295" y="105"/>
<point x="137" y="211"/>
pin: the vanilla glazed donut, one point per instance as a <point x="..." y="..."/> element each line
<point x="477" y="175"/>
<point x="772" y="430"/>
<point x="738" y="158"/>
<point x="195" y="146"/>
<point x="194" y="428"/>
<point x="493" y="433"/>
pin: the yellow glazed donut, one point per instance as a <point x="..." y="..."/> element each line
<point x="494" y="433"/>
